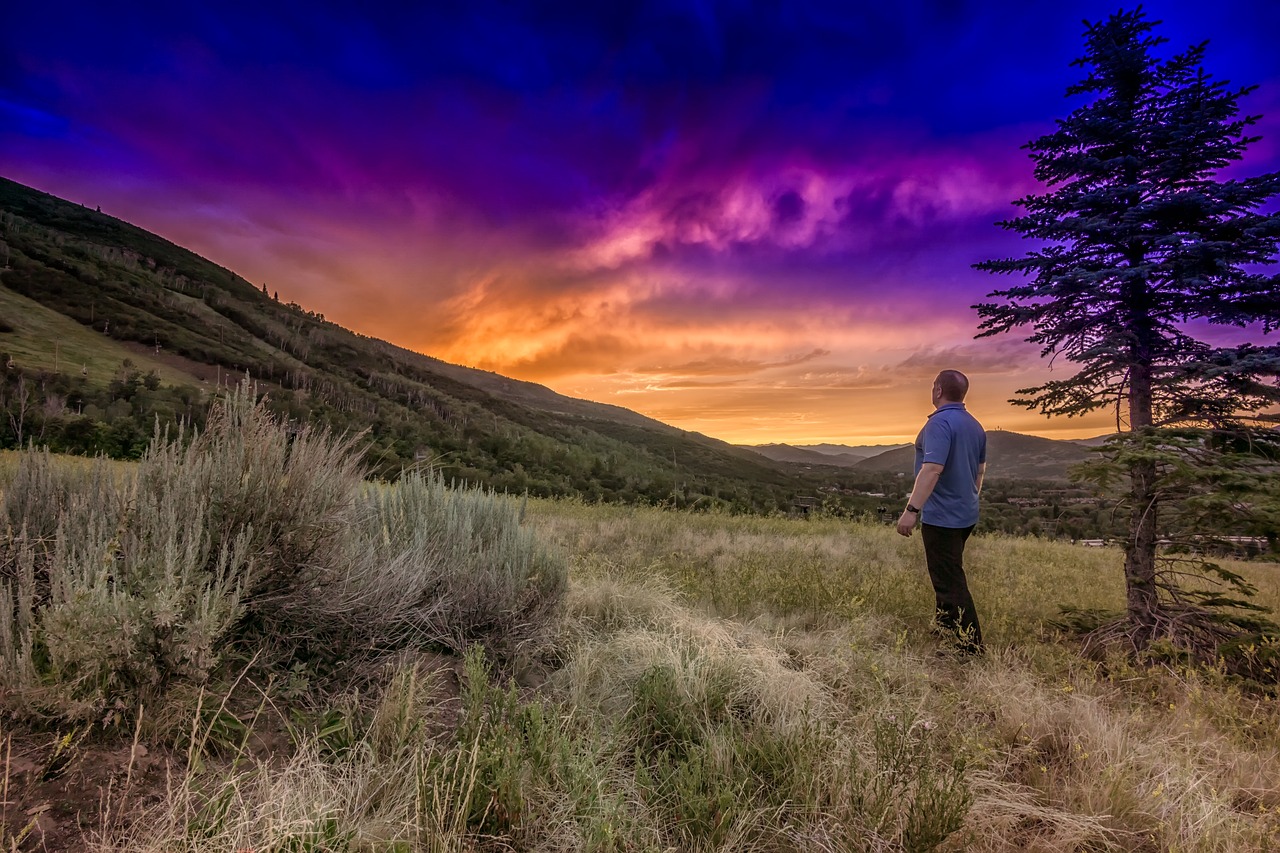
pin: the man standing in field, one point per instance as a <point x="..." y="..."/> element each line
<point x="951" y="458"/>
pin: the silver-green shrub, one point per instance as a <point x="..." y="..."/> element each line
<point x="114" y="583"/>
<point x="125" y="595"/>
<point x="447" y="566"/>
<point x="287" y="490"/>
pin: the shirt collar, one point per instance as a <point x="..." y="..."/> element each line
<point x="946" y="406"/>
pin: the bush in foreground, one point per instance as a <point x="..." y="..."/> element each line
<point x="249" y="537"/>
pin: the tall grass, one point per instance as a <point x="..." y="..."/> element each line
<point x="710" y="683"/>
<point x="667" y="729"/>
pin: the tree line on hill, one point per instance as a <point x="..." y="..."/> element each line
<point x="68" y="414"/>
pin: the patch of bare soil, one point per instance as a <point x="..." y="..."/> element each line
<point x="60" y="791"/>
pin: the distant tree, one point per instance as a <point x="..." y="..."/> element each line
<point x="18" y="407"/>
<point x="1141" y="246"/>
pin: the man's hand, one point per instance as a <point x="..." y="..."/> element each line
<point x="926" y="480"/>
<point x="907" y="522"/>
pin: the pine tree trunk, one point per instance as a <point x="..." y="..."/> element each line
<point x="1140" y="553"/>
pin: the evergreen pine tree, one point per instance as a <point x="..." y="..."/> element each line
<point x="1141" y="245"/>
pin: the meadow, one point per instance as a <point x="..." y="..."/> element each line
<point x="246" y="648"/>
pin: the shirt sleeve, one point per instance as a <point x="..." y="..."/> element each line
<point x="937" y="442"/>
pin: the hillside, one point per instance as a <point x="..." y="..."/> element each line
<point x="1010" y="455"/>
<point x="105" y="328"/>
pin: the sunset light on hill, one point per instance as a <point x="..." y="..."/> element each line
<point x="753" y="221"/>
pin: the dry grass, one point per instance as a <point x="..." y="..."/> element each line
<point x="1064" y="753"/>
<point x="763" y="684"/>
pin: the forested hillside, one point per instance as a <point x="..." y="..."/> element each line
<point x="106" y="329"/>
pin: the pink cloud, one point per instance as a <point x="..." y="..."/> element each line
<point x="827" y="207"/>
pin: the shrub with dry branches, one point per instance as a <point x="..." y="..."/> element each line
<point x="251" y="534"/>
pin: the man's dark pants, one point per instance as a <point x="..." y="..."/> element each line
<point x="944" y="554"/>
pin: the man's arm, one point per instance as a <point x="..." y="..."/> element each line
<point x="926" y="480"/>
<point x="982" y="472"/>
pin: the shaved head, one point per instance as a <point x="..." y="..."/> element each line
<point x="953" y="384"/>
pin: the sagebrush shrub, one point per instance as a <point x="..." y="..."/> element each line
<point x="125" y="595"/>
<point x="448" y="567"/>
<point x="254" y="534"/>
<point x="288" y="491"/>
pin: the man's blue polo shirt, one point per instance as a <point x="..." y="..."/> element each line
<point x="954" y="439"/>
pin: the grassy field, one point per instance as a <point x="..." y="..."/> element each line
<point x="707" y="682"/>
<point x="1063" y="753"/>
<point x="43" y="339"/>
<point x="827" y="570"/>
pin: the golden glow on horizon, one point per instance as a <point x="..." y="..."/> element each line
<point x="891" y="415"/>
<point x="691" y="355"/>
<point x="798" y="374"/>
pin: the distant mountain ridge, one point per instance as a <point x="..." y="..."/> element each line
<point x="1010" y="455"/>
<point x="838" y="455"/>
<point x="864" y="450"/>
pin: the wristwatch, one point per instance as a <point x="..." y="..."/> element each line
<point x="912" y="509"/>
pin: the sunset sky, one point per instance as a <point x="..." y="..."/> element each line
<point x="752" y="220"/>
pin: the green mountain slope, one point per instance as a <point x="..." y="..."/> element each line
<point x="45" y="340"/>
<point x="105" y="327"/>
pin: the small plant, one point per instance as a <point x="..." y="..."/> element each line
<point x="906" y="789"/>
<point x="323" y="836"/>
<point x="513" y="744"/>
<point x="62" y="753"/>
<point x="213" y="813"/>
<point x="220" y="731"/>
<point x="14" y="840"/>
<point x="334" y="731"/>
